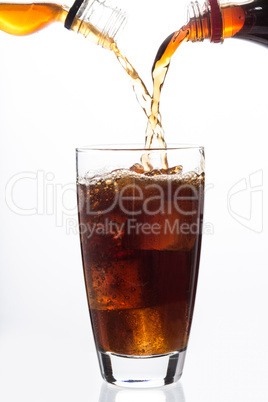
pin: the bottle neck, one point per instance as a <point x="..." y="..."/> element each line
<point x="96" y="20"/>
<point x="206" y="23"/>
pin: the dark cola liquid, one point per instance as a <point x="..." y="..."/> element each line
<point x="255" y="27"/>
<point x="140" y="253"/>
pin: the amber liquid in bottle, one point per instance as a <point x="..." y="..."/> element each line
<point x="250" y="21"/>
<point x="25" y="19"/>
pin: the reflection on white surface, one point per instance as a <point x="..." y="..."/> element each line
<point x="170" y="393"/>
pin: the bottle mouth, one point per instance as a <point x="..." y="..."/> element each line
<point x="205" y="23"/>
<point x="116" y="23"/>
<point x="105" y="18"/>
<point x="194" y="16"/>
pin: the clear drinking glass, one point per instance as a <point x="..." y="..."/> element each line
<point x="140" y="240"/>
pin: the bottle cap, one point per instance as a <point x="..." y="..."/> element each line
<point x="72" y="13"/>
<point x="216" y="21"/>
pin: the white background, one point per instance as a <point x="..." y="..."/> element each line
<point x="58" y="91"/>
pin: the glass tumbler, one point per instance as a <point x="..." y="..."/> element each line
<point x="140" y="234"/>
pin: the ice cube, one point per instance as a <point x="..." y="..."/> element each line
<point x="170" y="231"/>
<point x="173" y="170"/>
<point x="137" y="168"/>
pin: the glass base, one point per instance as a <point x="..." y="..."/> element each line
<point x="141" y="371"/>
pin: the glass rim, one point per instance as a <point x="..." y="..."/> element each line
<point x="136" y="147"/>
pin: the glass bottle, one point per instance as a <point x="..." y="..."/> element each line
<point x="97" y="20"/>
<point x="247" y="20"/>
